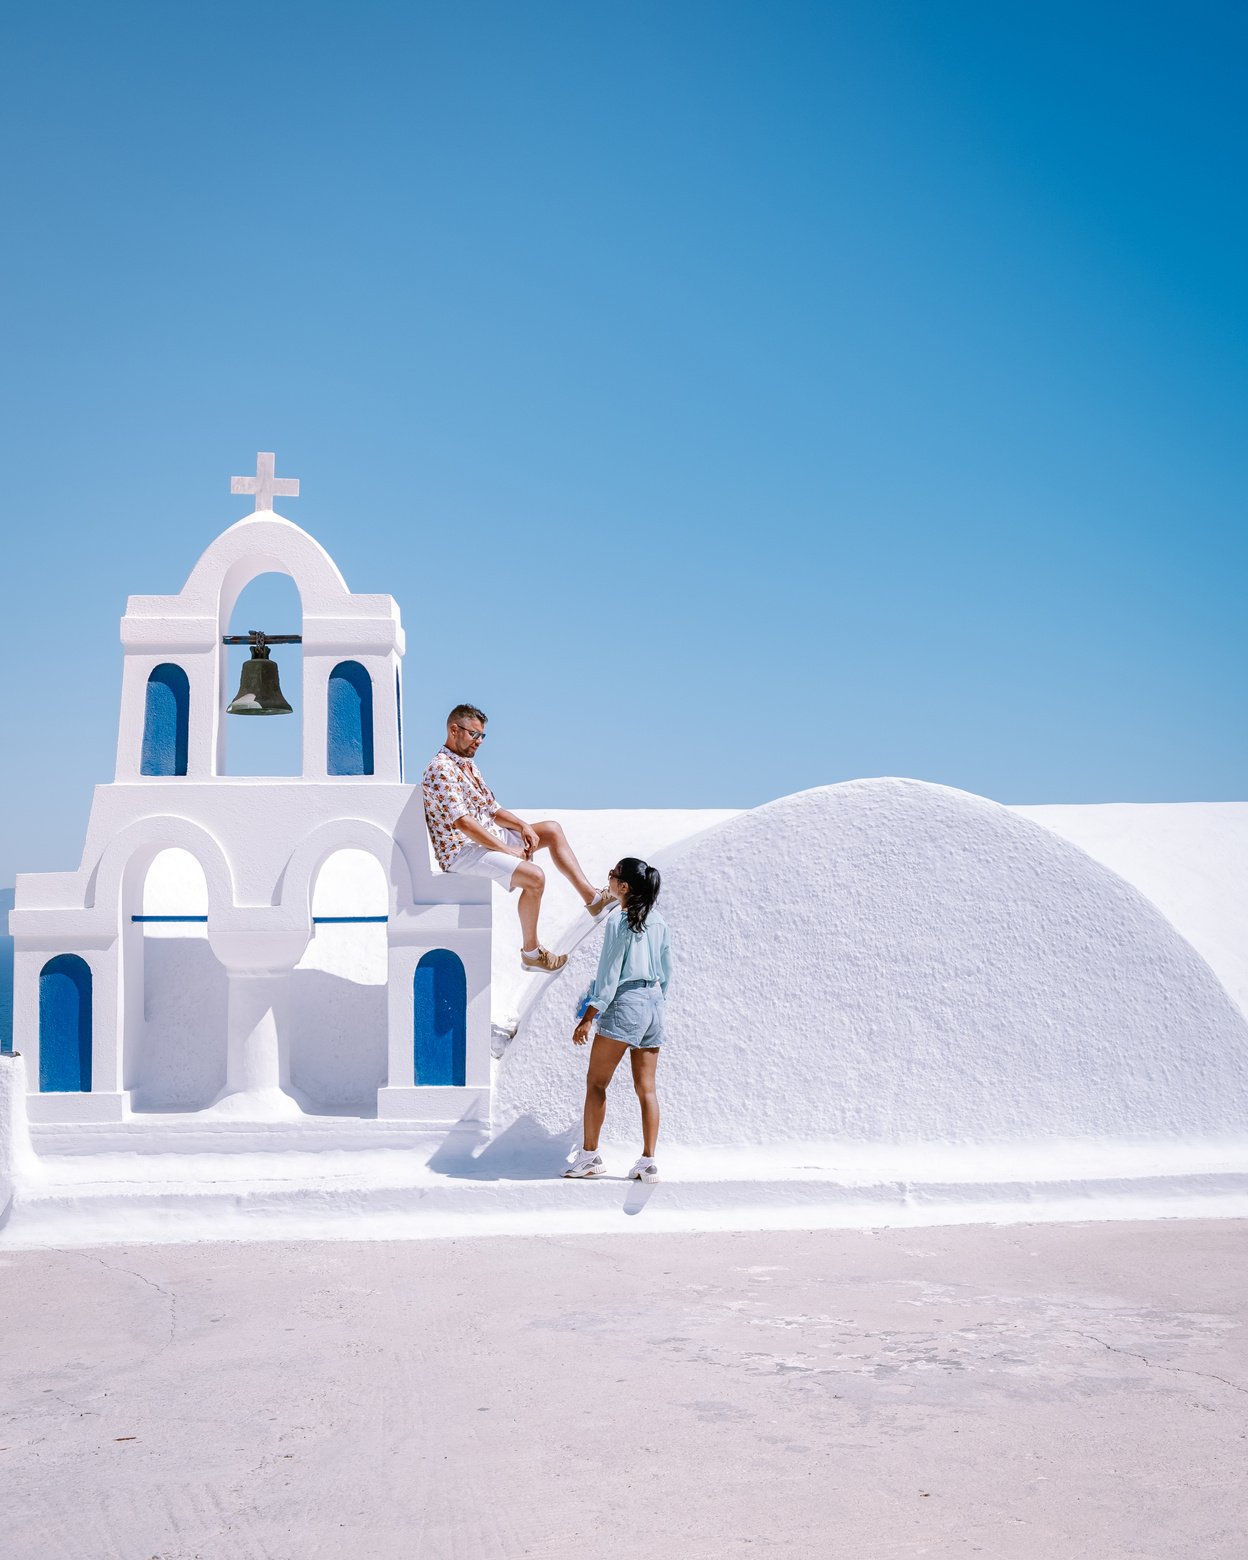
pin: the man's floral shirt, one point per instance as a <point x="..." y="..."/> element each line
<point x="454" y="789"/>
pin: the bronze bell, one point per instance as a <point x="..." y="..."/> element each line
<point x="259" y="692"/>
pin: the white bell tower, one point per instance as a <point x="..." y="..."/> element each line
<point x="81" y="997"/>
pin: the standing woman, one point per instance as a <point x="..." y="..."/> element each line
<point x="627" y="999"/>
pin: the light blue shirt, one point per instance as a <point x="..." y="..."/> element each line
<point x="629" y="955"/>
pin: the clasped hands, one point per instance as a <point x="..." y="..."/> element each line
<point x="532" y="843"/>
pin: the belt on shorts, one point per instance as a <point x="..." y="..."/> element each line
<point x="632" y="985"/>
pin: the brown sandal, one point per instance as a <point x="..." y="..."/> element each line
<point x="543" y="962"/>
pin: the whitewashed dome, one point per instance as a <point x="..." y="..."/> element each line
<point x="889" y="961"/>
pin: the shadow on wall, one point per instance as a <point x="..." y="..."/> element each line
<point x="338" y="1050"/>
<point x="181" y="1061"/>
<point x="6" y="972"/>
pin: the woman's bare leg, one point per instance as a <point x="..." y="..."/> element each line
<point x="644" y="1065"/>
<point x="603" y="1060"/>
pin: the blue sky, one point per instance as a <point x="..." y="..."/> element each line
<point x="735" y="397"/>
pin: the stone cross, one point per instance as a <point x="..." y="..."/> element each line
<point x="264" y="484"/>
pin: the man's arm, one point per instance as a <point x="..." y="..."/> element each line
<point x="479" y="835"/>
<point x="526" y="831"/>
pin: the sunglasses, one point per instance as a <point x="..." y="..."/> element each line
<point x="475" y="736"/>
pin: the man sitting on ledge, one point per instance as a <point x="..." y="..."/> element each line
<point x="474" y="836"/>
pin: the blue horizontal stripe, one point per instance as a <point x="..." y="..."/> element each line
<point x="317" y="919"/>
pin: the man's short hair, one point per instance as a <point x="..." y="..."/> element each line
<point x="461" y="710"/>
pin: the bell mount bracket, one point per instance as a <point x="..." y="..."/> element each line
<point x="260" y="641"/>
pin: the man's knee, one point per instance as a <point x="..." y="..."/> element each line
<point x="529" y="875"/>
<point x="548" y="831"/>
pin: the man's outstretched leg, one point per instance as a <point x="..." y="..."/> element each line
<point x="552" y="838"/>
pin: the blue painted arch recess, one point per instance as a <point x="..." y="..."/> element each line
<point x="65" y="1025"/>
<point x="350" y="723"/>
<point x="440" y="1019"/>
<point x="166" y="721"/>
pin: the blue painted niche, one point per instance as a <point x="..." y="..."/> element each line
<point x="350" y="736"/>
<point x="440" y="1018"/>
<point x="65" y="1025"/>
<point x="166" y="721"/>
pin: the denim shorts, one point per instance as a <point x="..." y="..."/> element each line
<point x="635" y="1015"/>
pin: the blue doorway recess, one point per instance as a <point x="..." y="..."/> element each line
<point x="65" y="1025"/>
<point x="440" y="1019"/>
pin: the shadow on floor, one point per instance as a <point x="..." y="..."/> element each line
<point x="523" y="1152"/>
<point x="637" y="1197"/>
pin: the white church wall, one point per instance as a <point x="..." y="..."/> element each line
<point x="181" y="1063"/>
<point x="339" y="1023"/>
<point x="176" y="1058"/>
<point x="337" y="989"/>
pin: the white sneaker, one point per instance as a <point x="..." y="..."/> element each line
<point x="587" y="1162"/>
<point x="644" y="1170"/>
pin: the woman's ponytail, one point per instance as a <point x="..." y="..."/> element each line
<point x="643" y="883"/>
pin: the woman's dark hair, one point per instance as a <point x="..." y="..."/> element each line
<point x="642" y="883"/>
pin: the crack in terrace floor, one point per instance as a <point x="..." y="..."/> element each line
<point x="110" y="1267"/>
<point x="1172" y="1370"/>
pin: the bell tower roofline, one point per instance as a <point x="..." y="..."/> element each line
<point x="260" y="543"/>
<point x="175" y="659"/>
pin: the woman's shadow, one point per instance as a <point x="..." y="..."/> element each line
<point x="524" y="1151"/>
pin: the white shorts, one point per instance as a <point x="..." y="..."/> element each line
<point x="476" y="861"/>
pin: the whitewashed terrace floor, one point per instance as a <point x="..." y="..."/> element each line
<point x="425" y="1189"/>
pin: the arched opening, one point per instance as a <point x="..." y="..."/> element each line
<point x="338" y="1049"/>
<point x="65" y="1025"/>
<point x="349" y="734"/>
<point x="166" y="721"/>
<point x="265" y="744"/>
<point x="440" y="1018"/>
<point x="175" y="1050"/>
